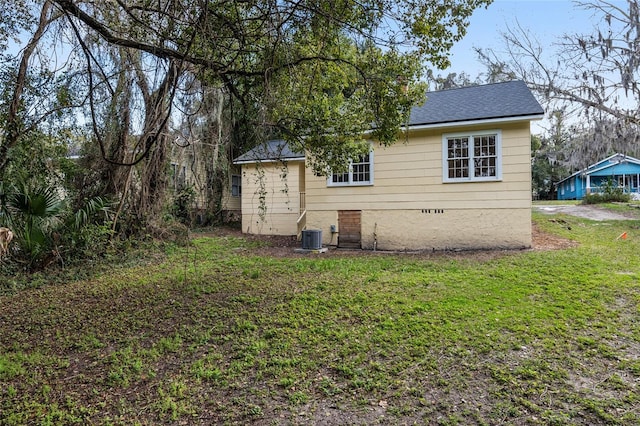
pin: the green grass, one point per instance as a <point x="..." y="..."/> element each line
<point x="218" y="333"/>
<point x="632" y="207"/>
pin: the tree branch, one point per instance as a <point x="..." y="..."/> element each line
<point x="13" y="117"/>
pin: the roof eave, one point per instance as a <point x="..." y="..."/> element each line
<point x="625" y="158"/>
<point x="570" y="176"/>
<point x="530" y="117"/>
<point x="588" y="170"/>
<point x="608" y="166"/>
<point x="270" y="160"/>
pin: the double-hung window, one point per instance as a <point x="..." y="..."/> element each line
<point x="236" y="186"/>
<point x="475" y="156"/>
<point x="360" y="173"/>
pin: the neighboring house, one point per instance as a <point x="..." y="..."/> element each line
<point x="187" y="170"/>
<point x="459" y="178"/>
<point x="619" y="169"/>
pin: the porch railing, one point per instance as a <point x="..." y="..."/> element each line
<point x="303" y="202"/>
<point x="600" y="189"/>
<point x="302" y="219"/>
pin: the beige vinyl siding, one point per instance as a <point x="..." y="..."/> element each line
<point x="229" y="202"/>
<point x="398" y="209"/>
<point x="280" y="185"/>
<point x="411" y="172"/>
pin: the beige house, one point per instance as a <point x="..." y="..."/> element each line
<point x="273" y="189"/>
<point x="459" y="179"/>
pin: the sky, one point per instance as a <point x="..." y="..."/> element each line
<point x="548" y="20"/>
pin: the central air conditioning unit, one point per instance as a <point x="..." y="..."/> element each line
<point x="312" y="239"/>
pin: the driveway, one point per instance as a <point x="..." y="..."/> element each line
<point x="586" y="211"/>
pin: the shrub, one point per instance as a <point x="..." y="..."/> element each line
<point x="46" y="229"/>
<point x="610" y="193"/>
<point x="183" y="203"/>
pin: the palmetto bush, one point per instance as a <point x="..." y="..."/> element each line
<point x="46" y="229"/>
<point x="33" y="212"/>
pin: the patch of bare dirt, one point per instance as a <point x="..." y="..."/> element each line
<point x="544" y="241"/>
<point x="283" y="246"/>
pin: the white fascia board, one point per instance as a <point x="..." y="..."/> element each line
<point x="473" y="122"/>
<point x="280" y="160"/>
<point x="588" y="172"/>
<point x="579" y="172"/>
<point x="599" y="169"/>
<point x="625" y="157"/>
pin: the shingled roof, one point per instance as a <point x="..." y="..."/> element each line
<point x="273" y="150"/>
<point x="511" y="99"/>
<point x="499" y="101"/>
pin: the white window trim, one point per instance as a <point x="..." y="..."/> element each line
<point x="445" y="158"/>
<point x="350" y="172"/>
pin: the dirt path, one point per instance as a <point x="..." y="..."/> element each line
<point x="585" y="211"/>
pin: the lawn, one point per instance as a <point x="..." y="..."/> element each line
<point x="224" y="332"/>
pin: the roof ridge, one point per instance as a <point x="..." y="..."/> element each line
<point x="477" y="85"/>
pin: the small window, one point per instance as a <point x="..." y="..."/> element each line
<point x="573" y="184"/>
<point x="236" y="186"/>
<point x="472" y="157"/>
<point x="360" y="173"/>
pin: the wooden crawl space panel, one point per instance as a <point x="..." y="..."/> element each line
<point x="349" y="228"/>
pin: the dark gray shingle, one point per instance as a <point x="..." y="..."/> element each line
<point x="499" y="100"/>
